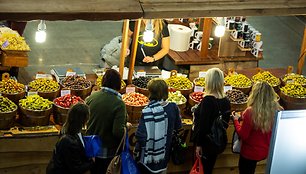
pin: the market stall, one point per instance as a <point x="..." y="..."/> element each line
<point x="30" y="149"/>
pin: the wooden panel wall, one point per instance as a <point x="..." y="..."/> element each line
<point x="209" y="8"/>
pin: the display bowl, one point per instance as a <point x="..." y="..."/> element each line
<point x="286" y="78"/>
<point x="199" y="81"/>
<point x="238" y="106"/>
<point x="7" y="119"/>
<point x="49" y="95"/>
<point x="134" y="107"/>
<point x="143" y="91"/>
<point x="245" y="90"/>
<point x="35" y="117"/>
<point x="292" y="103"/>
<point x="191" y="99"/>
<point x="83" y="93"/>
<point x="14" y="97"/>
<point x="134" y="113"/>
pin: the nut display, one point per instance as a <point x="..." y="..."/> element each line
<point x="238" y="80"/>
<point x="75" y="82"/>
<point x="11" y="86"/>
<point x="44" y="85"/>
<point x="179" y="82"/>
<point x="267" y="77"/>
<point x="99" y="82"/>
<point x="13" y="41"/>
<point x="176" y="97"/>
<point x="135" y="99"/>
<point x="141" y="82"/>
<point x="35" y="102"/>
<point x="7" y="105"/>
<point x="294" y="90"/>
<point x="294" y="78"/>
<point x="197" y="96"/>
<point x="67" y="100"/>
<point x="236" y="96"/>
<point x="200" y="81"/>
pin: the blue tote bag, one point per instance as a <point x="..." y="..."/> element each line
<point x="93" y="145"/>
<point x="128" y="164"/>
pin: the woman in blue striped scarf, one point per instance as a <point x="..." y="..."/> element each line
<point x="154" y="133"/>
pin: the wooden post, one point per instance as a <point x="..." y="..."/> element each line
<point x="205" y="39"/>
<point x="302" y="55"/>
<point x="124" y="45"/>
<point x="134" y="50"/>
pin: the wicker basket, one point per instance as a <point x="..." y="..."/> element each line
<point x="292" y="103"/>
<point x="35" y="117"/>
<point x="7" y="119"/>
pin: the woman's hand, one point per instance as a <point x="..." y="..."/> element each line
<point x="148" y="59"/>
<point x="199" y="151"/>
<point x="234" y="116"/>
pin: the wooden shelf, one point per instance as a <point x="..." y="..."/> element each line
<point x="244" y="49"/>
<point x="234" y="39"/>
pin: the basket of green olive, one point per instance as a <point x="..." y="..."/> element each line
<point x="266" y="76"/>
<point x="293" y="96"/>
<point x="12" y="90"/>
<point x="46" y="88"/>
<point x="293" y="78"/>
<point x="239" y="81"/>
<point x="8" y="110"/>
<point x="180" y="83"/>
<point x="35" y="111"/>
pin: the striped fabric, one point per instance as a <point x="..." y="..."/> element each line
<point x="156" y="124"/>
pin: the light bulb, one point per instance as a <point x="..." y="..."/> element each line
<point x="40" y="35"/>
<point x="148" y="36"/>
<point x="219" y="31"/>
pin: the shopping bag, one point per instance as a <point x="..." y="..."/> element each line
<point x="92" y="145"/>
<point x="197" y="167"/>
<point x="178" y="149"/>
<point x="128" y="164"/>
<point x="236" y="143"/>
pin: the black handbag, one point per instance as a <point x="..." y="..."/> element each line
<point x="179" y="148"/>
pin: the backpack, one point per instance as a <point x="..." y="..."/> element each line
<point x="218" y="135"/>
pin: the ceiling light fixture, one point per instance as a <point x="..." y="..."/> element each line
<point x="41" y="34"/>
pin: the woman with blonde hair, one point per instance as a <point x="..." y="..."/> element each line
<point x="213" y="103"/>
<point x="256" y="129"/>
<point x="151" y="53"/>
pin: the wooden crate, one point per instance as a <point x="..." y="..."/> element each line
<point x="14" y="58"/>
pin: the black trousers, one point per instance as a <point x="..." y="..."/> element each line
<point x="208" y="161"/>
<point x="246" y="166"/>
<point x="100" y="165"/>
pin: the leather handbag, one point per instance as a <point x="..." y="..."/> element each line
<point x="114" y="166"/>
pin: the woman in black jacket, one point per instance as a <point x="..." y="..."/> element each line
<point x="69" y="153"/>
<point x="213" y="102"/>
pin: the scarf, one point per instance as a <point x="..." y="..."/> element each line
<point x="111" y="91"/>
<point x="156" y="124"/>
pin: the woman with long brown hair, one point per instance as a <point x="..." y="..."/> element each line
<point x="256" y="129"/>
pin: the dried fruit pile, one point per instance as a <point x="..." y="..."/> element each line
<point x="67" y="100"/>
<point x="75" y="82"/>
<point x="236" y="96"/>
<point x="135" y="99"/>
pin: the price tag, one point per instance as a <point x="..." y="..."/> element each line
<point x="65" y="92"/>
<point x="290" y="81"/>
<point x="165" y="74"/>
<point x="5" y="44"/>
<point x="0" y="94"/>
<point x="68" y="73"/>
<point x="44" y="76"/>
<point x="26" y="88"/>
<point x="32" y="93"/>
<point x="226" y="88"/>
<point x="141" y="74"/>
<point x="202" y="74"/>
<point x="198" y="89"/>
<point x="129" y="89"/>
